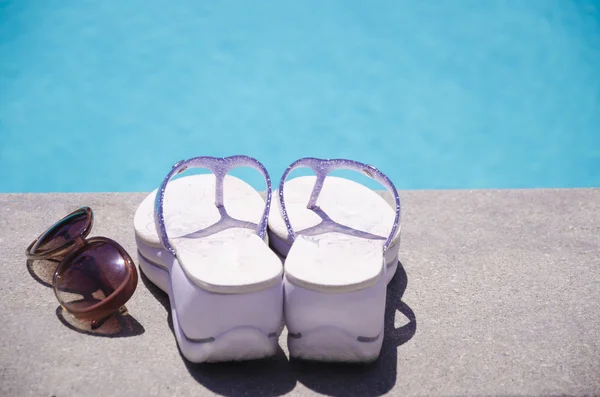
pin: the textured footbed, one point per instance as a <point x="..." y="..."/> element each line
<point x="334" y="261"/>
<point x="231" y="260"/>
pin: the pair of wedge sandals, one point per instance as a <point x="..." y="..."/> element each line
<point x="204" y="240"/>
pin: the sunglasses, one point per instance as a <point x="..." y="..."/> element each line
<point x="95" y="277"/>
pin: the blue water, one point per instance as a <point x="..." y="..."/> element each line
<point x="107" y="95"/>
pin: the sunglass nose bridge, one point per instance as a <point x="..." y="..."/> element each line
<point x="79" y="240"/>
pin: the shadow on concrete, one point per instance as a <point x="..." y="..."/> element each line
<point x="268" y="377"/>
<point x="116" y="326"/>
<point x="277" y="375"/>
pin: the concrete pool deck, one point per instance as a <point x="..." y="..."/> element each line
<point x="498" y="294"/>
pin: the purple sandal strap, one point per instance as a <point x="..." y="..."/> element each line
<point x="322" y="168"/>
<point x="219" y="166"/>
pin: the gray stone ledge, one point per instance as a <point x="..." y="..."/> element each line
<point x="498" y="294"/>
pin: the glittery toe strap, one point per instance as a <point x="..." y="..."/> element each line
<point x="219" y="166"/>
<point x="322" y="168"/>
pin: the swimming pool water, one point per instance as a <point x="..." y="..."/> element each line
<point x="107" y="95"/>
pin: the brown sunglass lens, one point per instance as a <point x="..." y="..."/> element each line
<point x="90" y="274"/>
<point x="64" y="232"/>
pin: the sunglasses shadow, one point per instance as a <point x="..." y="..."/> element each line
<point x="117" y="326"/>
<point x="267" y="377"/>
